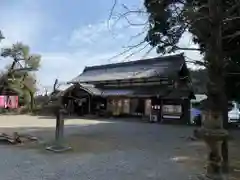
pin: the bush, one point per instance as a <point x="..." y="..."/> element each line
<point x="37" y="110"/>
<point x="23" y="110"/>
<point x="3" y="111"/>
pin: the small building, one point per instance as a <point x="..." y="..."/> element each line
<point x="158" y="86"/>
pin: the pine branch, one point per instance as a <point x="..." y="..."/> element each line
<point x="126" y="51"/>
<point x="232" y="9"/>
<point x="188" y="49"/>
<point x="232" y="36"/>
<point x="148" y="52"/>
<point x="111" y="13"/>
<point x="231" y="19"/>
<point x="135" y="52"/>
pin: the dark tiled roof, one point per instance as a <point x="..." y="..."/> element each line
<point x="178" y="94"/>
<point x="91" y="89"/>
<point x="164" y="66"/>
<point x="136" y="92"/>
<point x="145" y="91"/>
<point x="162" y="91"/>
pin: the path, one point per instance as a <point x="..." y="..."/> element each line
<point x="104" y="150"/>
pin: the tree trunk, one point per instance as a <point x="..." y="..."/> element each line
<point x="225" y="165"/>
<point x="32" y="100"/>
<point x="217" y="100"/>
<point x="224" y="147"/>
<point x="31" y="94"/>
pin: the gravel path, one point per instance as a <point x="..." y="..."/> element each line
<point x="103" y="150"/>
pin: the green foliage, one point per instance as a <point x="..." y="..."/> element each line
<point x="170" y="19"/>
<point x="166" y="24"/>
<point x="232" y="79"/>
<point x="18" y="75"/>
<point x="1" y="36"/>
<point x="20" y="53"/>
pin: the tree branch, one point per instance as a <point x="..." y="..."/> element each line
<point x="167" y="44"/>
<point x="135" y="52"/>
<point x="135" y="24"/>
<point x="111" y="12"/>
<point x="230" y="19"/>
<point x="124" y="16"/>
<point x="188" y="49"/>
<point x="232" y="36"/>
<point x="1" y="36"/>
<point x="231" y="52"/>
<point x="138" y="34"/>
<point x="144" y="56"/>
<point x="232" y="9"/>
<point x="126" y="51"/>
<point x="198" y="19"/>
<point x="196" y="62"/>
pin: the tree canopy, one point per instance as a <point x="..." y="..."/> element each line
<point x="19" y="76"/>
<point x="214" y="25"/>
<point x="170" y="19"/>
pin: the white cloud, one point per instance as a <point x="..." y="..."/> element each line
<point x="85" y="45"/>
<point x="94" y="44"/>
<point x="65" y="66"/>
<point x="89" y="33"/>
<point x="21" y="21"/>
<point x="105" y="33"/>
<point x="191" y="56"/>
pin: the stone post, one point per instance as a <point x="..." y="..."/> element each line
<point x="213" y="134"/>
<point x="59" y="133"/>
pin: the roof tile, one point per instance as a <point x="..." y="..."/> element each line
<point x="160" y="66"/>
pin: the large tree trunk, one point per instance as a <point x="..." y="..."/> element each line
<point x="224" y="147"/>
<point x="215" y="113"/>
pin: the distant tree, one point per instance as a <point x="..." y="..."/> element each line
<point x="232" y="81"/>
<point x="1" y="36"/>
<point x="18" y="75"/>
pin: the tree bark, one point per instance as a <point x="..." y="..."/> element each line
<point x="224" y="147"/>
<point x="32" y="100"/>
<point x="217" y="100"/>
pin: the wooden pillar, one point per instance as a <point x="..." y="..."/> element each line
<point x="186" y="111"/>
<point x="89" y="104"/>
<point x="161" y="109"/>
<point x="59" y="126"/>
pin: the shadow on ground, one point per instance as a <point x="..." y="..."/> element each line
<point x="170" y="141"/>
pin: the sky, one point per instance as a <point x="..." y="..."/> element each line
<point x="72" y="34"/>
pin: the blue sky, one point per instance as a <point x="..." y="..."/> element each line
<point x="72" y="34"/>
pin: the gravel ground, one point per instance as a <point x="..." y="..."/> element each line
<point x="102" y="150"/>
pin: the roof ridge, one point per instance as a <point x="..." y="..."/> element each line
<point x="140" y="61"/>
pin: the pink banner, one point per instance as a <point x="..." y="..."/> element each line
<point x="2" y="101"/>
<point x="10" y="102"/>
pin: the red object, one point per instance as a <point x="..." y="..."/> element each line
<point x="12" y="102"/>
<point x="2" y="101"/>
